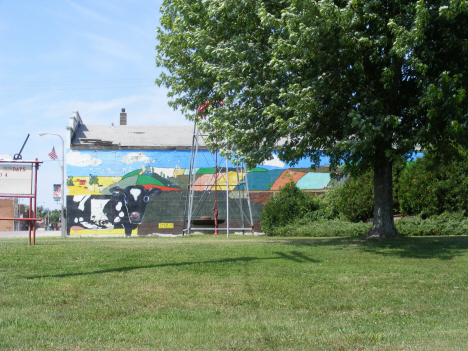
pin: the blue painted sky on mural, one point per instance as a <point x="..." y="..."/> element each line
<point x="118" y="163"/>
<point x="92" y="56"/>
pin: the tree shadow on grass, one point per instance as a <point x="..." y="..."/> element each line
<point x="442" y="248"/>
<point x="293" y="256"/>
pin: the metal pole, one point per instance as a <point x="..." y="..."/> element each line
<point x="215" y="207"/>
<point x="227" y="198"/>
<point x="63" y="224"/>
<point x="187" y="198"/>
<point x="239" y="194"/>
<point x="62" y="166"/>
<point x="30" y="222"/>
<point x="192" y="177"/>
<point x="30" y="207"/>
<point x="248" y="199"/>
<point x="36" y="165"/>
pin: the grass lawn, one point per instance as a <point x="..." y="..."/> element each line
<point x="241" y="293"/>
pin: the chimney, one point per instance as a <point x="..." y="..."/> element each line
<point x="123" y="117"/>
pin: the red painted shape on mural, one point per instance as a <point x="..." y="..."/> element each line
<point x="163" y="188"/>
<point x="286" y="177"/>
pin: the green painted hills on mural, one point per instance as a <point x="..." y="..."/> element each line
<point x="135" y="178"/>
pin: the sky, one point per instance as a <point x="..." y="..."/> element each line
<point x="58" y="56"/>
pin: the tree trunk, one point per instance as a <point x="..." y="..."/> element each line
<point x="383" y="201"/>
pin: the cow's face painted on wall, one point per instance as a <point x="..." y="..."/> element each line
<point x="134" y="198"/>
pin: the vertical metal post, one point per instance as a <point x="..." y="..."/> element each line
<point x="30" y="222"/>
<point x="239" y="195"/>
<point x="227" y="198"/>
<point x="192" y="184"/>
<point x="30" y="212"/>
<point x="63" y="223"/>
<point x="215" y="207"/>
<point x="62" y="165"/>
<point x="187" y="198"/>
<point x="35" y="201"/>
<point x="248" y="199"/>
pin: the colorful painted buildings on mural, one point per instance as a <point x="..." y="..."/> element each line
<point x="129" y="179"/>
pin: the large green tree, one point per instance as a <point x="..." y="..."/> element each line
<point x="364" y="82"/>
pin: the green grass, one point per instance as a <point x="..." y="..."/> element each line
<point x="241" y="293"/>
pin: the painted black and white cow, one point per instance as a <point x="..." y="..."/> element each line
<point x="125" y="209"/>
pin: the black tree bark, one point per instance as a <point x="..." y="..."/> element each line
<point x="384" y="226"/>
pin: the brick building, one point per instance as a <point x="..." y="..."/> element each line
<point x="9" y="209"/>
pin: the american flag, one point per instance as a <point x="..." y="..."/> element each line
<point x="52" y="154"/>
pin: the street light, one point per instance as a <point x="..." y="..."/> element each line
<point x="62" y="165"/>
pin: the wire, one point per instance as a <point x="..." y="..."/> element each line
<point x="79" y="85"/>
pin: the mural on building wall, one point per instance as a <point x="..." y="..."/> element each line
<point x="115" y="191"/>
<point x="123" y="209"/>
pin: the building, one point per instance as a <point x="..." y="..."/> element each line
<point x="128" y="179"/>
<point x="9" y="209"/>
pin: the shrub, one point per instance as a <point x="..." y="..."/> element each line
<point x="430" y="187"/>
<point x="354" y="197"/>
<point x="289" y="204"/>
<point x="322" y="228"/>
<point x="327" y="207"/>
<point x="445" y="224"/>
<point x="436" y="191"/>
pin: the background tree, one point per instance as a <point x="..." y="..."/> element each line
<point x="55" y="216"/>
<point x="42" y="211"/>
<point x="363" y="82"/>
<point x="431" y="187"/>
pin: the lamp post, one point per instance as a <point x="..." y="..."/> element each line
<point x="62" y="165"/>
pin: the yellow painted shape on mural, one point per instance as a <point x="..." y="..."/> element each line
<point x="166" y="225"/>
<point x="232" y="178"/>
<point x="179" y="171"/>
<point x="81" y="185"/>
<point x="119" y="231"/>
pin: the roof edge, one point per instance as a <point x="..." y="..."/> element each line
<point x="133" y="147"/>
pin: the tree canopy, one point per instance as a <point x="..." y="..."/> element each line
<point x="363" y="82"/>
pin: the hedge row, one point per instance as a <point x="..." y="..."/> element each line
<point x="445" y="224"/>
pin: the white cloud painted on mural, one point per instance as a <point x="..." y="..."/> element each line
<point x="135" y="157"/>
<point x="75" y="158"/>
<point x="162" y="171"/>
<point x="275" y="162"/>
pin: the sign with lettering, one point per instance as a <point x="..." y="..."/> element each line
<point x="6" y="157"/>
<point x="166" y="225"/>
<point x="15" y="179"/>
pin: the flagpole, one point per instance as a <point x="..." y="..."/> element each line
<point x="62" y="165"/>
